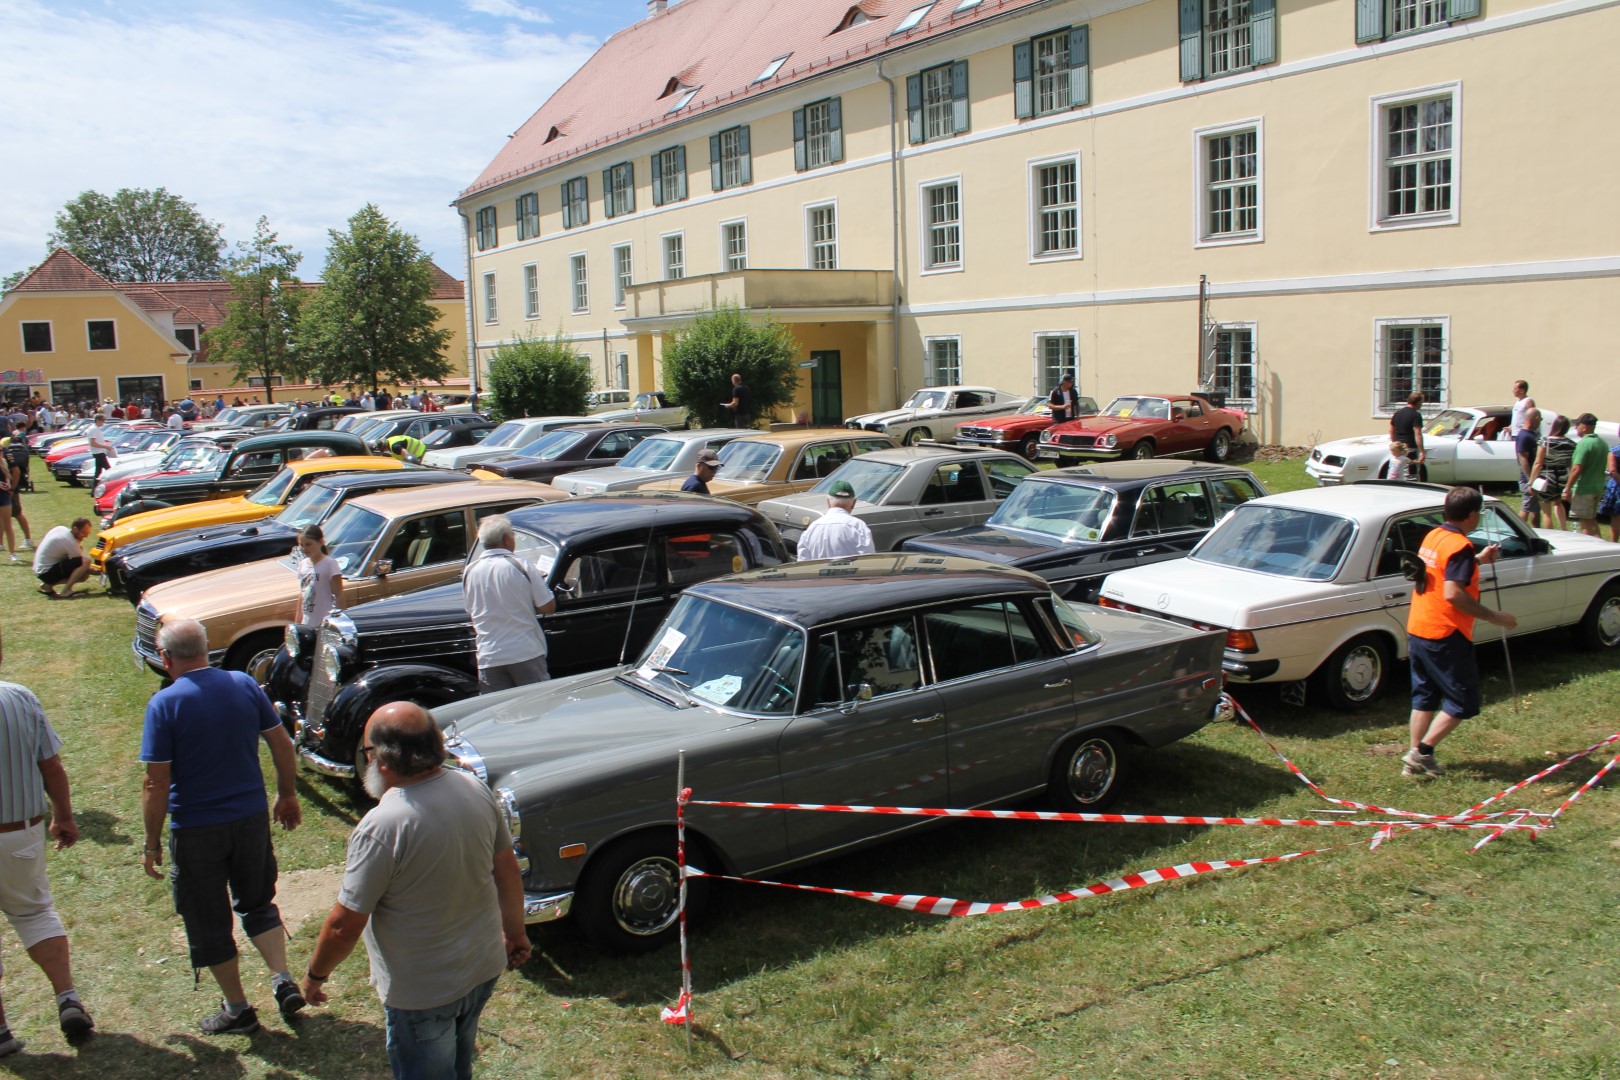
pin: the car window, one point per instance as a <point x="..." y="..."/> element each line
<point x="1076" y="632"/>
<point x="957" y="482"/>
<point x="1070" y="512"/>
<point x="699" y="556"/>
<point x="1004" y="475"/>
<point x="273" y="491"/>
<point x="615" y="444"/>
<point x="1279" y="540"/>
<point x="726" y="656"/>
<point x="882" y="655"/>
<point x="1233" y="491"/>
<point x="1449" y="424"/>
<point x="350" y="535"/>
<point x="1496" y="528"/>
<point x="257" y="462"/>
<point x="816" y="462"/>
<point x="429" y="541"/>
<point x="654" y="454"/>
<point x="975" y="638"/>
<point x="1404" y="536"/>
<point x="968" y="399"/>
<point x="866" y="446"/>
<point x="611" y="572"/>
<point x="310" y="507"/>
<point x="870" y="479"/>
<point x="1167" y="508"/>
<point x="482" y="512"/>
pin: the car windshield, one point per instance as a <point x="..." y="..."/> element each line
<point x="553" y="446"/>
<point x="154" y="440"/>
<point x="310" y="506"/>
<point x="350" y="535"/>
<point x="530" y="547"/>
<point x="1036" y="406"/>
<point x="1143" y="408"/>
<point x="870" y="479"/>
<point x="745" y="460"/>
<point x="196" y="457"/>
<point x="1279" y="540"/>
<point x="715" y="653"/>
<point x="926" y="399"/>
<point x="273" y="490"/>
<point x="1450" y="424"/>
<point x="228" y="416"/>
<point x="1072" y="513"/>
<point x="648" y="401"/>
<point x="506" y="433"/>
<point x="653" y="454"/>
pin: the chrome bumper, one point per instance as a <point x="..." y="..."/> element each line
<point x="546" y="907"/>
<point x="310" y="760"/>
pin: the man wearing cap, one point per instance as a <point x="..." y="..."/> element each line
<point x="708" y="463"/>
<point x="1061" y="401"/>
<point x="837" y="534"/>
<point x="1588" y="474"/>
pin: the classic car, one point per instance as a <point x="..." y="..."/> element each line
<point x="1020" y="431"/>
<point x="136" y="567"/>
<point x="42" y="442"/>
<point x="354" y="423"/>
<point x="939" y="409"/>
<point x="511" y="436"/>
<point x="1145" y="426"/>
<point x="1074" y="526"/>
<point x="248" y="463"/>
<point x="386" y="543"/>
<point x="246" y="416"/>
<point x="119" y="432"/>
<point x="616" y="563"/>
<point x="600" y="401"/>
<point x="320" y="418"/>
<point x="1308" y="584"/>
<point x="935" y="682"/>
<point x="143" y="444"/>
<point x="653" y="407"/>
<point x="192" y="454"/>
<point x="569" y="449"/>
<point x="415" y="426"/>
<point x="472" y="433"/>
<point x="908" y="492"/>
<point x="669" y="455"/>
<point x="263" y="501"/>
<point x="760" y="466"/>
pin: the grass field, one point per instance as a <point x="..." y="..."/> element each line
<point x="1417" y="959"/>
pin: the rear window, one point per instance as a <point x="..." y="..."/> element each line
<point x="1279" y="540"/>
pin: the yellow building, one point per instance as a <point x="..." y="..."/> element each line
<point x="1262" y="198"/>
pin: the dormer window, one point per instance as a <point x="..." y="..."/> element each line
<point x="853" y="17"/>
<point x="772" y="68"/>
<point x="913" y="17"/>
<point x="554" y="134"/>
<point x="673" y="86"/>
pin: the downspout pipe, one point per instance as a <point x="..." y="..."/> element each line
<point x="468" y="297"/>
<point x="894" y="231"/>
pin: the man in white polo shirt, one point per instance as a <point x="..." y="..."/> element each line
<point x="504" y="596"/>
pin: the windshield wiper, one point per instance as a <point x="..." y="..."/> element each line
<point x="685" y="690"/>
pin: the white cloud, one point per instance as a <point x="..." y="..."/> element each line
<point x="301" y="116"/>
<point x="507" y="9"/>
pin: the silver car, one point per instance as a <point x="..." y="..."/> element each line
<point x="653" y="407"/>
<point x="935" y="412"/>
<point x="662" y="457"/>
<point x="510" y="436"/>
<point x="908" y="492"/>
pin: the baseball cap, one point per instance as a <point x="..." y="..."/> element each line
<point x="708" y="457"/>
<point x="841" y="490"/>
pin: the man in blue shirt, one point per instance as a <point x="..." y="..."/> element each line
<point x="200" y="744"/>
<point x="708" y="463"/>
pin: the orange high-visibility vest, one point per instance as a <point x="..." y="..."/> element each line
<point x="1432" y="616"/>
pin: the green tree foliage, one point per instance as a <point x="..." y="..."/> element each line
<point x="9" y="282"/>
<point x="140" y="235"/>
<point x="261" y="318"/>
<point x="700" y="360"/>
<point x="371" y="321"/>
<point x="538" y="376"/>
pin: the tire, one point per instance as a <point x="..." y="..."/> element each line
<point x="1143" y="450"/>
<point x="1087" y="773"/>
<point x="1599" y="628"/>
<point x="627" y="898"/>
<point x="1030" y="446"/>
<point x="916" y="435"/>
<point x="254" y="653"/>
<point x="1220" y="447"/>
<point x="1357" y="673"/>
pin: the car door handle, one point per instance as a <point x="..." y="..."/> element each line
<point x="927" y="719"/>
<point x="1145" y="551"/>
<point x="1395" y="596"/>
<point x="1060" y="684"/>
<point x="932" y="513"/>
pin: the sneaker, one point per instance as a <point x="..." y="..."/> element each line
<point x="26" y="544"/>
<point x="1416" y="764"/>
<point x="75" y="1021"/>
<point x="14" y="558"/>
<point x="289" y="1000"/>
<point x="223" y="1023"/>
<point x="12" y="1045"/>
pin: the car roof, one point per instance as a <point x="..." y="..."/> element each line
<point x="444" y="496"/>
<point x="801" y="436"/>
<point x="527" y="420"/>
<point x="1367" y="499"/>
<point x="976" y="389"/>
<point x="616" y="425"/>
<point x="593" y="516"/>
<point x="289" y="440"/>
<point x="1124" y="473"/>
<point x="390" y="478"/>
<point x="905" y="455"/>
<point x="705" y="434"/>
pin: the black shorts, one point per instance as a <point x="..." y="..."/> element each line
<point x="1445" y="676"/>
<point x="215" y="868"/>
<point x="60" y="570"/>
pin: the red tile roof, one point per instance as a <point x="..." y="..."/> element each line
<point x="619" y="91"/>
<point x="62" y="272"/>
<point x="446" y="287"/>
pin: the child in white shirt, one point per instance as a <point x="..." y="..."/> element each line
<point x="1400" y="466"/>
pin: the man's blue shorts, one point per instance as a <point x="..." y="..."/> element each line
<point x="1445" y="677"/>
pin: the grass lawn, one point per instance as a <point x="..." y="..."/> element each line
<point x="1418" y="959"/>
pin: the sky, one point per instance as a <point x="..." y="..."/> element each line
<point x="301" y="111"/>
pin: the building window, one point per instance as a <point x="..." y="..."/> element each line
<point x="734" y="242"/>
<point x="1228" y="184"/>
<point x="821" y="222"/>
<point x="576" y="202"/>
<point x="818" y="134"/>
<point x="491" y="311"/>
<point x="674" y="256"/>
<point x="186" y="336"/>
<point x="770" y="69"/>
<point x="1413" y="354"/>
<point x="580" y="283"/>
<point x="1220" y="37"/>
<point x="619" y="189"/>
<point x="1056" y="355"/>
<point x="1052" y="73"/>
<point x="942" y="361"/>
<point x="36" y="337"/>
<point x="487" y="233"/>
<point x="730" y="164"/>
<point x="531" y="291"/>
<point x="1417" y="160"/>
<point x="942" y="226"/>
<point x="1234" y="362"/>
<point x="102" y="334"/>
<point x="196" y="384"/>
<point x="623" y="273"/>
<point x="937" y="102"/>
<point x="913" y="17"/>
<point x="1377" y="20"/>
<point x="1056" y="197"/>
<point x="669" y="175"/>
<point x="528" y="216"/>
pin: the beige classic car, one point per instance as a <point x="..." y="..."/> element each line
<point x="384" y="544"/>
<point x="767" y="466"/>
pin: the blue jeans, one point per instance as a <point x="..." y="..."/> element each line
<point x="437" y="1043"/>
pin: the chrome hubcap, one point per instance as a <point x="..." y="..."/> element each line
<point x="1363" y="670"/>
<point x="1091" y="771"/>
<point x="1608" y="621"/>
<point x="647" y="897"/>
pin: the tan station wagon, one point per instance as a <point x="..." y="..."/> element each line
<point x="767" y="466"/>
<point x="384" y="544"/>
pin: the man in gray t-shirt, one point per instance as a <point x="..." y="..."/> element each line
<point x="433" y="885"/>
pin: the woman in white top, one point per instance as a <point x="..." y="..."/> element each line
<point x="320" y="583"/>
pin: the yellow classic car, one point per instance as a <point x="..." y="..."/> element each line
<point x="263" y="501"/>
<point x="765" y="466"/>
<point x="388" y="543"/>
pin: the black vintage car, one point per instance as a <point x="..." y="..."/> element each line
<point x="139" y="566"/>
<point x="1076" y="526"/>
<point x="615" y="562"/>
<point x="249" y="463"/>
<point x="569" y="449"/>
<point x="468" y="434"/>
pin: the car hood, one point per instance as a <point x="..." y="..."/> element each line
<point x="1017" y="421"/>
<point x="190" y="516"/>
<point x="1221" y="595"/>
<point x="212" y="536"/>
<point x="408" y="611"/>
<point x="893" y="416"/>
<point x="1101" y="425"/>
<point x="1374" y="444"/>
<point x="260" y="586"/>
<point x="602" y="479"/>
<point x="1004" y="546"/>
<point x="803" y="508"/>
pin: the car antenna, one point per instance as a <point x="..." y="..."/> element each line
<point x="630" y="622"/>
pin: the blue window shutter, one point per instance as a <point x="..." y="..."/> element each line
<point x="835" y="121"/>
<point x="568" y="204"/>
<point x="959" y="97"/>
<point x="658" y="178"/>
<point x="914" y="107"/>
<point x="629" y="206"/>
<point x="1369" y="20"/>
<point x="584" y="183"/>
<point x="800" y="156"/>
<point x="1023" y="81"/>
<point x="1263" y="31"/>
<point x="745" y="158"/>
<point x="1080" y="66"/>
<point x="518" y="215"/>
<point x="1192" y="40"/>
<point x="1462" y="9"/>
<point x="714" y="163"/>
<point x="680" y="172"/>
<point x="609" y="209"/>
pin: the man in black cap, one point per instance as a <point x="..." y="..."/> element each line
<point x="837" y="534"/>
<point x="708" y="463"/>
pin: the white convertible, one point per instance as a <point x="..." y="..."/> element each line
<point x="1308" y="584"/>
<point x="936" y="410"/>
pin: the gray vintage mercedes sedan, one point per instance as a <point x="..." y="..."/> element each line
<point x="939" y="682"/>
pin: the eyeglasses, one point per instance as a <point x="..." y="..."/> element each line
<point x="367" y="750"/>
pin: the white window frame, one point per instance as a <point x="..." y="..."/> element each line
<point x="726" y="254"/>
<point x="618" y="199"/>
<point x="1231" y="43"/>
<point x="624" y="273"/>
<point x="928" y="358"/>
<point x="1202" y="237"/>
<point x="1377" y="188"/>
<point x="776" y="65"/>
<point x="494" y="228"/>
<point x="925" y="227"/>
<point x="731" y="158"/>
<point x="1052" y="81"/>
<point x="669" y="177"/>
<point x="531" y="290"/>
<point x="1381" y="328"/>
<point x="528" y="222"/>
<point x="1034" y="167"/>
<point x="1253" y="329"/>
<point x="913" y="17"/>
<point x="1038" y="359"/>
<point x="579" y="283"/>
<point x="22" y="341"/>
<point x="810" y="242"/>
<point x="938" y="109"/>
<point x="491" y="303"/>
<point x="673" y="271"/>
<point x="818" y="152"/>
<point x="117" y="337"/>
<point x="1421" y="9"/>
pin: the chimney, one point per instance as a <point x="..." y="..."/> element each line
<point x="656" y="8"/>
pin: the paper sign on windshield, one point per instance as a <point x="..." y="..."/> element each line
<point x="719" y="690"/>
<point x="659" y="657"/>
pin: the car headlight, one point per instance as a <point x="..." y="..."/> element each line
<point x="340" y="624"/>
<point x="1109" y="440"/>
<point x="100" y="491"/>
<point x="1046" y="436"/>
<point x="331" y="662"/>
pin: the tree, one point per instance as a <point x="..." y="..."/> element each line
<point x="140" y="235"/>
<point x="10" y="281"/>
<point x="261" y="317"/>
<point x="700" y="360"/>
<point x="370" y="322"/>
<point x="538" y="376"/>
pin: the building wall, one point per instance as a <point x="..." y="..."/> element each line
<point x="141" y="349"/>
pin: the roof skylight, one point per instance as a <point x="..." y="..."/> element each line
<point x="913" y="17"/>
<point x="773" y="67"/>
<point x="683" y="101"/>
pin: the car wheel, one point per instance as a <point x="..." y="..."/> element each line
<point x="1599" y="628"/>
<point x="916" y="435"/>
<point x="254" y="653"/>
<point x="628" y="898"/>
<point x="1030" y="446"/>
<point x="1087" y="773"/>
<point x="1356" y="673"/>
<point x="1220" y="447"/>
<point x="1142" y="450"/>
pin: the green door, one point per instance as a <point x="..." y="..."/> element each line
<point x="826" y="391"/>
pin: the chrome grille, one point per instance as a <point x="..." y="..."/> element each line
<point x="321" y="687"/>
<point x="973" y="433"/>
<point x="1076" y="440"/>
<point x="146" y="628"/>
<point x="446" y="644"/>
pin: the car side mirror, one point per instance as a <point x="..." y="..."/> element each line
<point x="863" y="693"/>
<point x="385" y="567"/>
<point x="563" y="587"/>
<point x="1540" y="545"/>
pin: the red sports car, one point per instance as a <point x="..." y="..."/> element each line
<point x="1145" y="426"/>
<point x="1020" y="432"/>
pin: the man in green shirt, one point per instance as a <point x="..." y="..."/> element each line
<point x="1588" y="473"/>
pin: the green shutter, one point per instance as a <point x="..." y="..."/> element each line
<point x="1369" y="20"/>
<point x="1023" y="81"/>
<point x="1263" y="32"/>
<point x="1462" y="9"/>
<point x="609" y="207"/>
<point x="1192" y="40"/>
<point x="521" y="235"/>
<point x="568" y="204"/>
<point x="801" y="158"/>
<point x="914" y="115"/>
<point x="584" y="183"/>
<point x="680" y="172"/>
<point x="1080" y="66"/>
<point x="658" y="178"/>
<point x="714" y="163"/>
<point x="959" y="97"/>
<point x="835" y="125"/>
<point x="629" y="206"/>
<point x="745" y="158"/>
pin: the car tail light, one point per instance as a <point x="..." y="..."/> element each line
<point x="1118" y="605"/>
<point x="1242" y="641"/>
